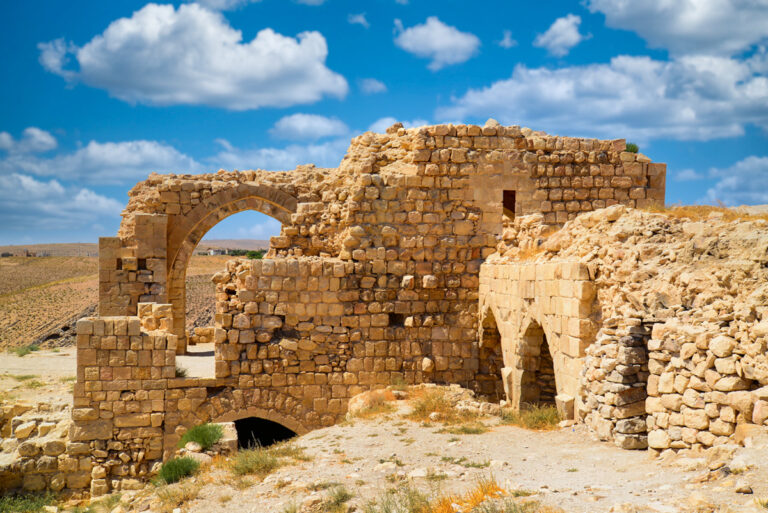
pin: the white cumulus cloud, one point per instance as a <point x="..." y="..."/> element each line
<point x="33" y="140"/>
<point x="28" y="204"/>
<point x="719" y="27"/>
<point x="691" y="98"/>
<point x="443" y="44"/>
<point x="100" y="163"/>
<point x="192" y="56"/>
<point x="358" y="19"/>
<point x="561" y="36"/>
<point x="372" y="86"/>
<point x="743" y="183"/>
<point x="308" y="127"/>
<point x="507" y="41"/>
<point x="224" y="5"/>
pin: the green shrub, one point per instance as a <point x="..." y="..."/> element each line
<point x="403" y="499"/>
<point x="632" y="147"/>
<point x="257" y="461"/>
<point x="338" y="496"/>
<point x="204" y="434"/>
<point x="21" y="351"/>
<point x="181" y="372"/>
<point x="533" y="417"/>
<point x="261" y="461"/>
<point x="176" y="469"/>
<point x="25" y="503"/>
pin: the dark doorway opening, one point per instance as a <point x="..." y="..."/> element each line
<point x="253" y="432"/>
<point x="490" y="361"/>
<point x="508" y="202"/>
<point x="538" y="384"/>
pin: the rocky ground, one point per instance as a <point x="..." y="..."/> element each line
<point x="386" y="450"/>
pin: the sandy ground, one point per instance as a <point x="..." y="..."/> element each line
<point x="199" y="362"/>
<point x="566" y="468"/>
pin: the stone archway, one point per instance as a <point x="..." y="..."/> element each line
<point x="490" y="360"/>
<point x="185" y="233"/>
<point x="537" y="381"/>
<point x="275" y="416"/>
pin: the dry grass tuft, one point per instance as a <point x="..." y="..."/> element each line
<point x="427" y="402"/>
<point x="262" y="461"/>
<point x="375" y="405"/>
<point x="174" y="495"/>
<point x="538" y="417"/>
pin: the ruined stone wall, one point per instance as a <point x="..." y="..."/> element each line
<point x="679" y="358"/>
<point x="705" y="381"/>
<point x="535" y="307"/>
<point x="414" y="192"/>
<point x="374" y="279"/>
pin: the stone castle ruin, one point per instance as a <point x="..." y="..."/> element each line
<point x="392" y="268"/>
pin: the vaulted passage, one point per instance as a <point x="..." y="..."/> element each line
<point x="538" y="384"/>
<point x="545" y="375"/>
<point x="255" y="432"/>
<point x="490" y="361"/>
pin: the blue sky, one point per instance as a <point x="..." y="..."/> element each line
<point x="96" y="95"/>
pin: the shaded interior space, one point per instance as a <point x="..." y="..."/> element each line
<point x="508" y="205"/>
<point x="490" y="361"/>
<point x="538" y="383"/>
<point x="257" y="432"/>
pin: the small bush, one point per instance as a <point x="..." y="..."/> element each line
<point x="261" y="461"/>
<point x="25" y="503"/>
<point x="177" y="469"/>
<point x="430" y="402"/>
<point x="336" y="499"/>
<point x="632" y="147"/>
<point x="256" y="461"/>
<point x="474" y="428"/>
<point x="22" y="377"/>
<point x="181" y="372"/>
<point x="403" y="499"/>
<point x="204" y="434"/>
<point x="21" y="351"/>
<point x="173" y="496"/>
<point x="537" y="416"/>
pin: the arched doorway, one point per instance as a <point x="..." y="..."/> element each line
<point x="241" y="235"/>
<point x="537" y="383"/>
<point x="258" y="432"/>
<point x="490" y="360"/>
<point x="184" y="236"/>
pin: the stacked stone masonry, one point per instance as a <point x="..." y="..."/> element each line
<point x="377" y="277"/>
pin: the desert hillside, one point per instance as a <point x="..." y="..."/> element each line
<point x="42" y="297"/>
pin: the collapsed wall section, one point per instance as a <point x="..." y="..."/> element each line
<point x="705" y="382"/>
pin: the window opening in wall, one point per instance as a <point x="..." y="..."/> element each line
<point x="256" y="432"/>
<point x="241" y="235"/>
<point x="508" y="203"/>
<point x="396" y="320"/>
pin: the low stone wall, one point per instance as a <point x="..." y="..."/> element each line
<point x="706" y="380"/>
<point x="613" y="383"/>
